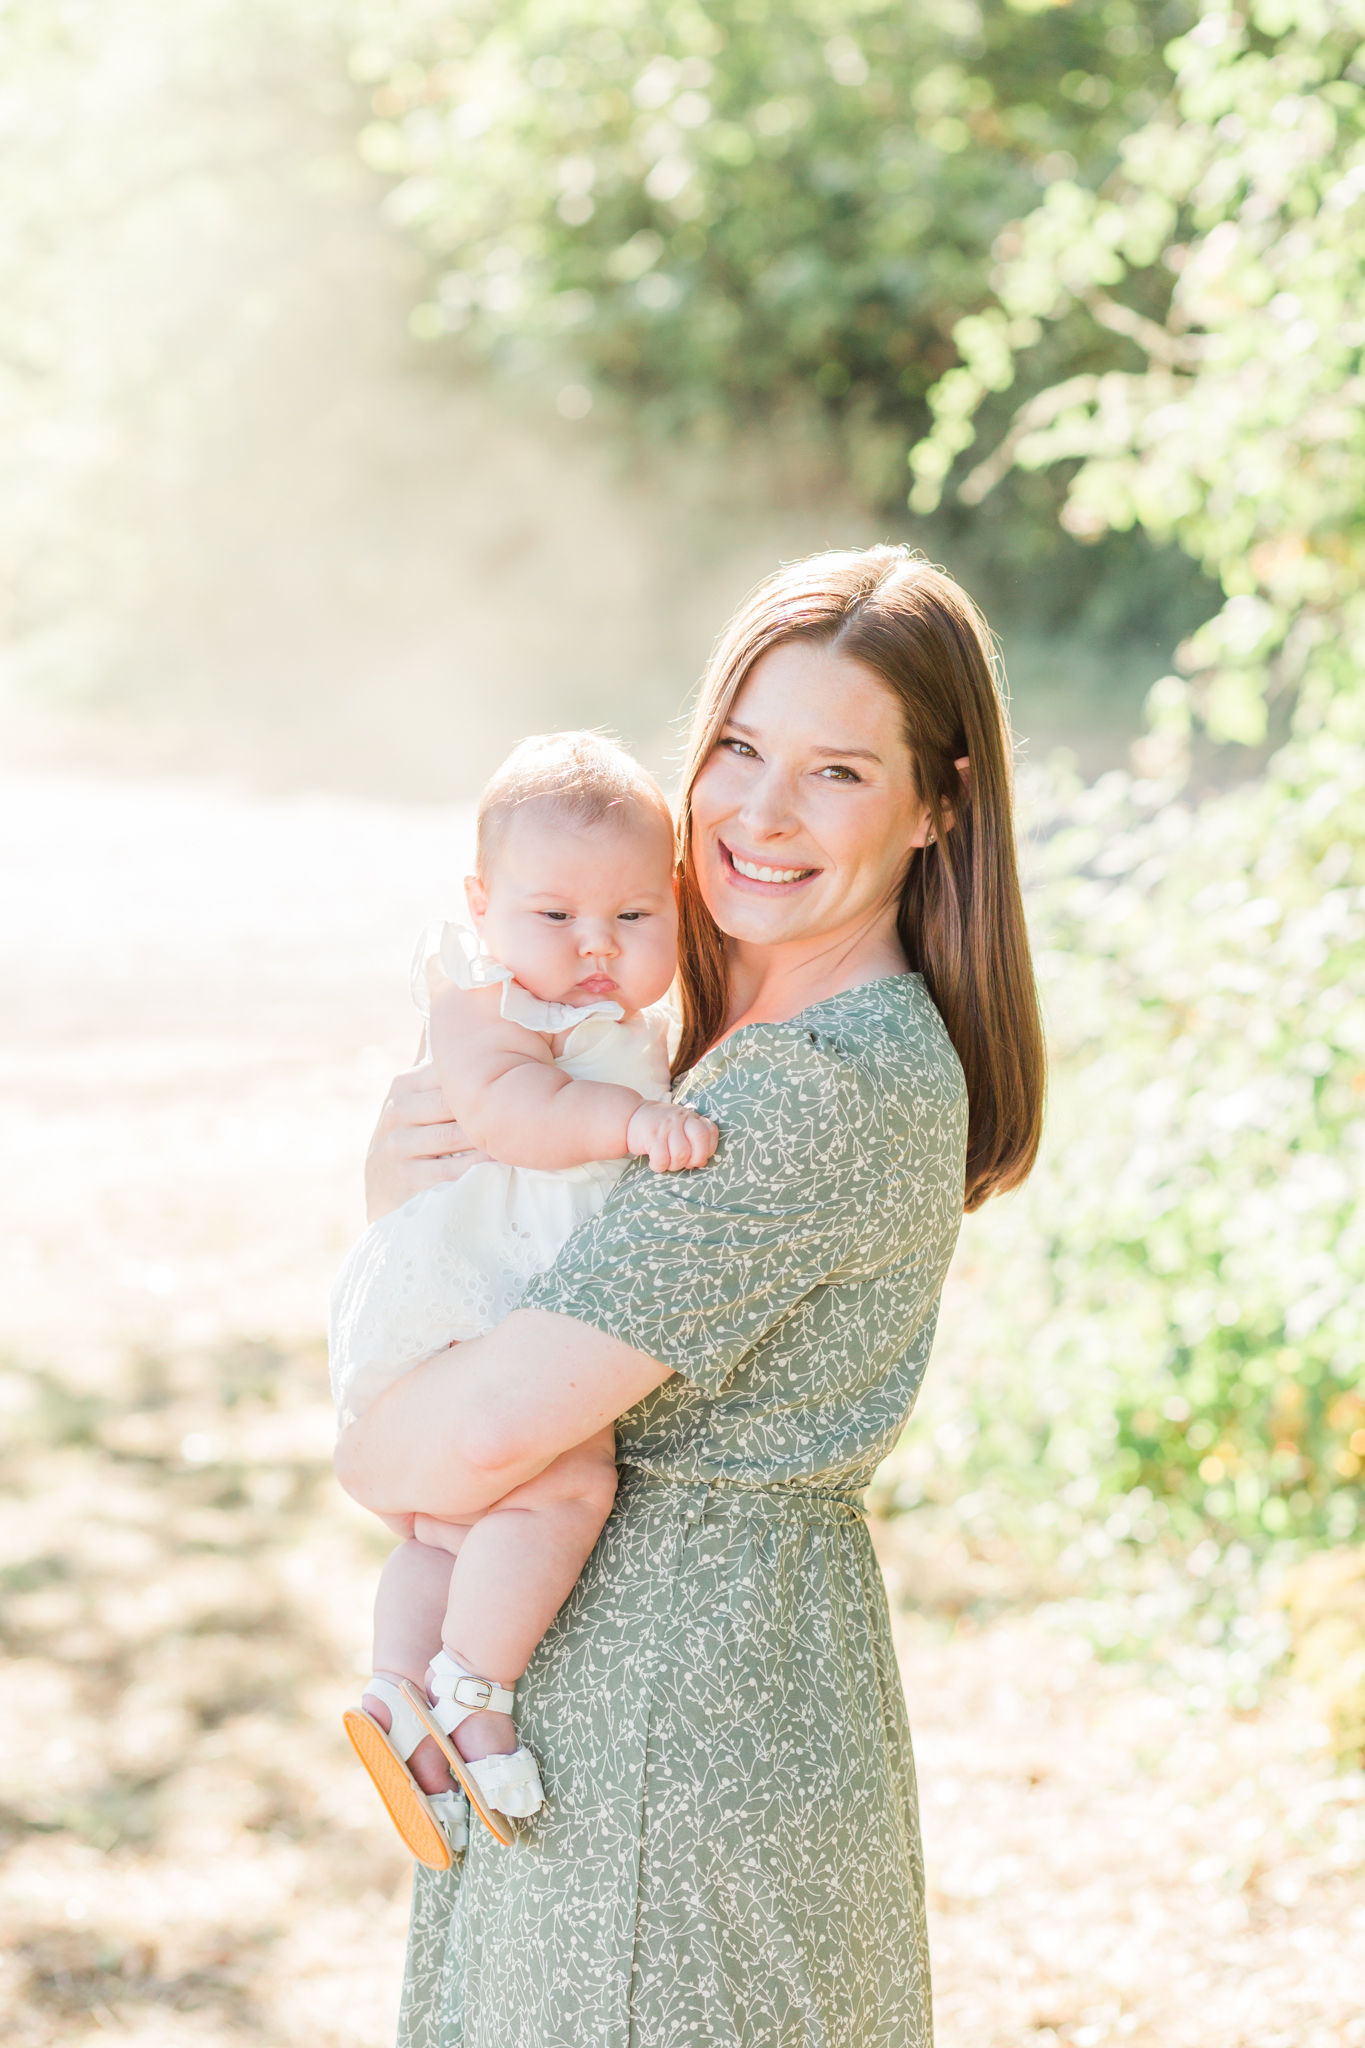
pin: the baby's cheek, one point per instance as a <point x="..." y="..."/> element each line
<point x="665" y="956"/>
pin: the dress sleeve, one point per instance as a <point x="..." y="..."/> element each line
<point x="696" y="1268"/>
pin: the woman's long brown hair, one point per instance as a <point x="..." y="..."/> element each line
<point x="961" y="919"/>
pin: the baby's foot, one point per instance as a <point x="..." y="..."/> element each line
<point x="426" y="1763"/>
<point x="505" y="1772"/>
<point x="485" y="1734"/>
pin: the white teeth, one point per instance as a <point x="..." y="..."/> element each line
<point x="757" y="874"/>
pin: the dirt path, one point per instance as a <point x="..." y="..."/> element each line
<point x="203" y="994"/>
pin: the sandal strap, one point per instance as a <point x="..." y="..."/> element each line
<point x="511" y="1783"/>
<point x="451" y="1812"/>
<point x="405" y="1730"/>
<point x="460" y="1693"/>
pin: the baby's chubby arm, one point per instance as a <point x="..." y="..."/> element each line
<point x="504" y="1089"/>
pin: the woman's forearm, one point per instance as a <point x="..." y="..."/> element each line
<point x="467" y="1426"/>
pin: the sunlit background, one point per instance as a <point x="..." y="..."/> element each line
<point x="381" y="380"/>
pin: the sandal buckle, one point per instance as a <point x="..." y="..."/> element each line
<point x="472" y="1692"/>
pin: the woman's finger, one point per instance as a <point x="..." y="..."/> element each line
<point x="428" y="1141"/>
<point x="416" y="1118"/>
<point x="416" y="1079"/>
<point x="416" y="1145"/>
<point x="416" y="1105"/>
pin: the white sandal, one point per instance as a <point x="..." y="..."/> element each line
<point x="495" y="1785"/>
<point x="434" y="1825"/>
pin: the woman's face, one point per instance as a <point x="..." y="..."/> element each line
<point x="805" y="816"/>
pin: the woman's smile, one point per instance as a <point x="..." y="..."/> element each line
<point x="751" y="871"/>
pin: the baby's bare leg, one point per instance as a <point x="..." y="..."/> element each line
<point x="516" y="1567"/>
<point x="414" y="1588"/>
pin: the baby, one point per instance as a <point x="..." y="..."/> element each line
<point x="555" y="1064"/>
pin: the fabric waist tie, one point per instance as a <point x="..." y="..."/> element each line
<point x="785" y="1499"/>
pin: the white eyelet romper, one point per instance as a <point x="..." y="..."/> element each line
<point x="455" y="1259"/>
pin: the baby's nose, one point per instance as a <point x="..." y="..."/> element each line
<point x="599" y="943"/>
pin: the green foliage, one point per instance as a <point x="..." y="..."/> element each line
<point x="730" y="209"/>
<point x="1238" y="214"/>
<point x="1168" y="1322"/>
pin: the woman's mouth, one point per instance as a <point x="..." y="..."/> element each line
<point x="764" y="875"/>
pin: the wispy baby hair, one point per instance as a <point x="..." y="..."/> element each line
<point x="575" y="778"/>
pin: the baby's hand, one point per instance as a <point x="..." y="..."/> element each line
<point x="673" y="1135"/>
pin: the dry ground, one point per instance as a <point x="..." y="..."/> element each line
<point x="204" y="992"/>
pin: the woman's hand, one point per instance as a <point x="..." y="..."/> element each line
<point x="416" y="1144"/>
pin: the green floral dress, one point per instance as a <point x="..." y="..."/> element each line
<point x="730" y="1853"/>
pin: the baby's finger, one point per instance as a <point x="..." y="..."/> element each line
<point x="701" y="1140"/>
<point x="666" y="1143"/>
<point x="703" y="1133"/>
<point x="428" y="1141"/>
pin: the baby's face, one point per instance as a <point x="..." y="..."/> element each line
<point x="582" y="915"/>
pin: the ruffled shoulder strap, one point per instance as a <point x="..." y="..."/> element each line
<point x="665" y="1018"/>
<point x="462" y="958"/>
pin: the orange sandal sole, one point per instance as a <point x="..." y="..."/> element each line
<point x="403" y="1797"/>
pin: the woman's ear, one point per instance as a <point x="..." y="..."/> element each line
<point x="964" y="775"/>
<point x="476" y="896"/>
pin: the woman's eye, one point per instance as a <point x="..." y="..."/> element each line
<point x="740" y="747"/>
<point x="837" y="773"/>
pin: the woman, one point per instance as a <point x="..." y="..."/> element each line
<point x="731" y="1852"/>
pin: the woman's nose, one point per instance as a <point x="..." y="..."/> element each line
<point x="769" y="808"/>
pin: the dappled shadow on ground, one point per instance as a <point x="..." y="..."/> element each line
<point x="190" y="1853"/>
<point x="192" y="1856"/>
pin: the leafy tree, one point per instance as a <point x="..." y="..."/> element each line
<point x="729" y="209"/>
<point x="1241" y="205"/>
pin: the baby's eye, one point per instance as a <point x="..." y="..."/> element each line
<point x="556" y="916"/>
<point x="632" y="916"/>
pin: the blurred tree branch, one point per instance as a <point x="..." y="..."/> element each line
<point x="1242" y="202"/>
<point x="725" y="210"/>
